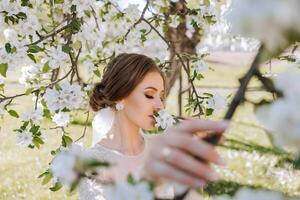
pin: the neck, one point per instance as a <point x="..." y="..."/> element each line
<point x="126" y="135"/>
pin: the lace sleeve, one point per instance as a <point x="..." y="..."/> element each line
<point x="90" y="189"/>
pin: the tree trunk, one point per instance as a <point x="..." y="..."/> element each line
<point x="179" y="42"/>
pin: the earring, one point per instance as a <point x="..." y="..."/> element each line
<point x="119" y="106"/>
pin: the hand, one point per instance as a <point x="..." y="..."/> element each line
<point x="173" y="154"/>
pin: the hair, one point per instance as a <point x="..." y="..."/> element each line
<point x="121" y="75"/>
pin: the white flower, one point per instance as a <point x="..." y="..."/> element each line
<point x="126" y="191"/>
<point x="36" y="115"/>
<point x="81" y="6"/>
<point x="289" y="83"/>
<point x="282" y="119"/>
<point x="63" y="165"/>
<point x="30" y="26"/>
<point x="217" y="102"/>
<point x="2" y="109"/>
<point x="200" y="66"/>
<point x="132" y="12"/>
<point x="51" y="96"/>
<point x="12" y="8"/>
<point x="89" y="65"/>
<point x="164" y="119"/>
<point x="174" y="21"/>
<point x="70" y="96"/>
<point x="2" y="80"/>
<point x="61" y="119"/>
<point x="56" y="57"/>
<point x="28" y="73"/>
<point x="24" y="138"/>
<point x="265" y="20"/>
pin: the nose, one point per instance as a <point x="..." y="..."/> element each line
<point x="159" y="105"/>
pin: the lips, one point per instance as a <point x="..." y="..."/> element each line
<point x="151" y="116"/>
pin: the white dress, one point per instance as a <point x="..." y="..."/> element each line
<point x="123" y="165"/>
<point x="93" y="189"/>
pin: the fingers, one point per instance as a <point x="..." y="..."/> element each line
<point x="194" y="125"/>
<point x="197" y="148"/>
<point x="167" y="171"/>
<point x="187" y="163"/>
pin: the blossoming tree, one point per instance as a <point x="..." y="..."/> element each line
<point x="62" y="46"/>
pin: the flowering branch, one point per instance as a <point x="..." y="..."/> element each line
<point x="139" y="20"/>
<point x="182" y="63"/>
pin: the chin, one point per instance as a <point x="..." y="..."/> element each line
<point x="148" y="127"/>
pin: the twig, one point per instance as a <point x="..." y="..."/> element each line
<point x="37" y="90"/>
<point x="267" y="84"/>
<point x="50" y="35"/>
<point x="84" y="131"/>
<point x="238" y="98"/>
<point x="139" y="20"/>
<point x="181" y="61"/>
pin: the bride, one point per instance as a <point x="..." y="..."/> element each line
<point x="131" y="91"/>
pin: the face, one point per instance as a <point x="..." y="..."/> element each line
<point x="147" y="97"/>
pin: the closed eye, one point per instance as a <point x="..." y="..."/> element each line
<point x="151" y="97"/>
<point x="148" y="96"/>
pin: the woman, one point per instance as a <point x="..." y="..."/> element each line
<point x="131" y="91"/>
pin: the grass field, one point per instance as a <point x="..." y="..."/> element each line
<point x="19" y="168"/>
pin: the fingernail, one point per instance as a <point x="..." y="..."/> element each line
<point x="221" y="162"/>
<point x="212" y="176"/>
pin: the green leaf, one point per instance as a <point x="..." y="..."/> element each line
<point x="3" y="69"/>
<point x="25" y="124"/>
<point x="199" y="77"/>
<point x="43" y="174"/>
<point x="208" y="94"/>
<point x="28" y="91"/>
<point x="66" y="48"/>
<point x="13" y="113"/>
<point x="8" y="47"/>
<point x="34" y="129"/>
<point x="47" y="113"/>
<point x="165" y="28"/>
<point x="96" y="163"/>
<point x="66" y="140"/>
<point x="46" y="67"/>
<point x="74" y="185"/>
<point x="58" y="1"/>
<point x="143" y="30"/>
<point x="47" y="178"/>
<point x="76" y="24"/>
<point x="56" y="187"/>
<point x="131" y="180"/>
<point x="209" y="111"/>
<point x="97" y="73"/>
<point x="38" y="140"/>
<point x="32" y="57"/>
<point x="296" y="162"/>
<point x="34" y="49"/>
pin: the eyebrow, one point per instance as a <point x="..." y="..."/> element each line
<point x="153" y="88"/>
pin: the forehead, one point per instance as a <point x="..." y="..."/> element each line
<point x="152" y="79"/>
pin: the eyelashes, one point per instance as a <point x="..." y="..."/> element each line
<point x="148" y="96"/>
<point x="151" y="97"/>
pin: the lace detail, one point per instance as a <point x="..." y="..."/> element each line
<point x="92" y="189"/>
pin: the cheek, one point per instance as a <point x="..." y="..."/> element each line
<point x="137" y="110"/>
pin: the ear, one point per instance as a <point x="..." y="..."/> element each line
<point x="122" y="101"/>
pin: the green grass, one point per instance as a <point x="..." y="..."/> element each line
<point x="19" y="168"/>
